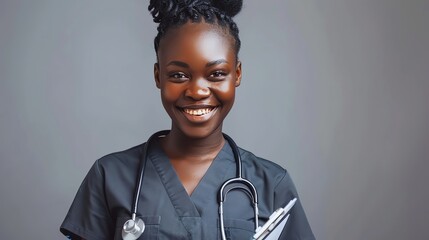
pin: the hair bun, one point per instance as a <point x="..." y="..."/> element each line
<point x="161" y="8"/>
<point x="229" y="7"/>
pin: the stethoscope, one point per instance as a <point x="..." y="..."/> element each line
<point x="134" y="227"/>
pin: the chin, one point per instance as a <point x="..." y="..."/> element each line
<point x="199" y="132"/>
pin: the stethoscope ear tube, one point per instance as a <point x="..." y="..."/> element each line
<point x="237" y="156"/>
<point x="242" y="185"/>
<point x="237" y="183"/>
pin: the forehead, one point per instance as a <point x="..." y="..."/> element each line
<point x="192" y="40"/>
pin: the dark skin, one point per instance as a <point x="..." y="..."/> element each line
<point x="197" y="72"/>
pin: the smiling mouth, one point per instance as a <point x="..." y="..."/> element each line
<point x="199" y="111"/>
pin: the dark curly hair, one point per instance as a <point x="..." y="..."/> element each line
<point x="174" y="13"/>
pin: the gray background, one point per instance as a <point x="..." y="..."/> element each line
<point x="335" y="91"/>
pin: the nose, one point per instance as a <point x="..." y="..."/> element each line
<point x="198" y="89"/>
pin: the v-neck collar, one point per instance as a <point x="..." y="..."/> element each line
<point x="205" y="193"/>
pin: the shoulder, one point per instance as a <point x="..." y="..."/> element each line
<point x="262" y="166"/>
<point x="90" y="215"/>
<point x="129" y="157"/>
<point x="271" y="178"/>
<point x="250" y="157"/>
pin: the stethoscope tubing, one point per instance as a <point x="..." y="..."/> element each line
<point x="142" y="168"/>
<point x="234" y="183"/>
<point x="240" y="183"/>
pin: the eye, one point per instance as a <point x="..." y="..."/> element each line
<point x="178" y="77"/>
<point x="218" y="75"/>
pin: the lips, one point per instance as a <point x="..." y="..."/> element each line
<point x="198" y="111"/>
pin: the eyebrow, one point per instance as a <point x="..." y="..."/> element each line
<point x="178" y="63"/>
<point x="216" y="62"/>
<point x="185" y="65"/>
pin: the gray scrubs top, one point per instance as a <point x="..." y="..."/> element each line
<point x="103" y="201"/>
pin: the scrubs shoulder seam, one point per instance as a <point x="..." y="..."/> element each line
<point x="268" y="163"/>
<point x="281" y="180"/>
<point x="106" y="202"/>
<point x="123" y="153"/>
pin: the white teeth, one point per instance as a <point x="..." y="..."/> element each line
<point x="197" y="112"/>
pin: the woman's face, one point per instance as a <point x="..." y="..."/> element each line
<point x="197" y="73"/>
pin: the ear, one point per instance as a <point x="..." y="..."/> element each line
<point x="238" y="74"/>
<point x="156" y="75"/>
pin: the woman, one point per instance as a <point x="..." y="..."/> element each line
<point x="197" y="71"/>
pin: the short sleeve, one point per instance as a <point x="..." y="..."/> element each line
<point x="88" y="216"/>
<point x="297" y="226"/>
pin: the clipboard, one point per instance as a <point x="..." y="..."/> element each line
<point x="273" y="228"/>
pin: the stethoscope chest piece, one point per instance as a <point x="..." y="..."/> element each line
<point x="133" y="229"/>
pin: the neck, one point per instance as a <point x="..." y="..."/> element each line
<point x="179" y="146"/>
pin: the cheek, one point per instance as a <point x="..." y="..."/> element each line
<point x="226" y="91"/>
<point x="169" y="93"/>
